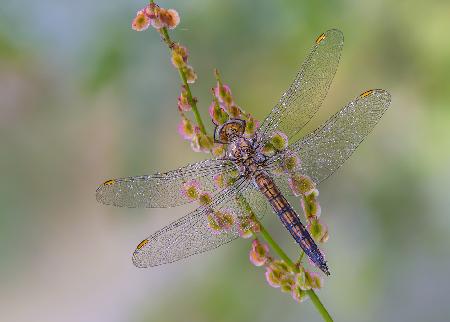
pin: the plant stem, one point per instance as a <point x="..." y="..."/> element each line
<point x="192" y="100"/>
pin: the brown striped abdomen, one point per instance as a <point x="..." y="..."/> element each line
<point x="290" y="219"/>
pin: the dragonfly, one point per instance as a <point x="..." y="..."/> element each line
<point x="256" y="179"/>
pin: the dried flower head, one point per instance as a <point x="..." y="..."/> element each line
<point x="291" y="163"/>
<point x="310" y="205"/>
<point x="183" y="101"/>
<point x="301" y="184"/>
<point x="201" y="142"/>
<point x="219" y="221"/>
<point x="218" y="150"/>
<point x="186" y="129"/>
<point x="223" y="94"/>
<point x="191" y="76"/>
<point x="217" y="114"/>
<point x="298" y="294"/>
<point x="141" y="21"/>
<point x="204" y="198"/>
<point x="259" y="254"/>
<point x="318" y="230"/>
<point x="169" y="18"/>
<point x="191" y="189"/>
<point x="251" y="125"/>
<point x="248" y="227"/>
<point x="279" y="141"/>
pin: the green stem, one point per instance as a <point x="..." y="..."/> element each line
<point x="191" y="99"/>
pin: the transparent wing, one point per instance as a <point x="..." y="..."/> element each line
<point x="323" y="151"/>
<point x="304" y="97"/>
<point x="191" y="234"/>
<point x="162" y="189"/>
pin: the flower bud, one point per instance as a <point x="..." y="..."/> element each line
<point x="247" y="227"/>
<point x="251" y="125"/>
<point x="273" y="277"/>
<point x="298" y="294"/>
<point x="191" y="190"/>
<point x="259" y="253"/>
<point x="218" y="150"/>
<point x="218" y="115"/>
<point x="183" y="101"/>
<point x="223" y="93"/>
<point x="185" y="129"/>
<point x="287" y="284"/>
<point x="313" y="280"/>
<point x="291" y="163"/>
<point x="201" y="142"/>
<point x="169" y="17"/>
<point x="177" y="60"/>
<point x="141" y="21"/>
<point x="191" y="76"/>
<point x="219" y="221"/>
<point x="279" y="141"/>
<point x="268" y="150"/>
<point x="310" y="205"/>
<point x="301" y="184"/>
<point x="204" y="198"/>
<point x="318" y="230"/>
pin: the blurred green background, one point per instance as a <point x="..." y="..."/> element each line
<point x="84" y="98"/>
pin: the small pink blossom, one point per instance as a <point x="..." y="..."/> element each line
<point x="301" y="184"/>
<point x="223" y="94"/>
<point x="277" y="272"/>
<point x="191" y="189"/>
<point x="310" y="205"/>
<point x="259" y="253"/>
<point x="169" y="17"/>
<point x="287" y="284"/>
<point x="234" y="111"/>
<point x="141" y="21"/>
<point x="251" y="125"/>
<point x="201" y="142"/>
<point x="179" y="56"/>
<point x="204" y="198"/>
<point x="217" y="114"/>
<point x="220" y="221"/>
<point x="291" y="163"/>
<point x="183" y="101"/>
<point x="185" y="129"/>
<point x="248" y="227"/>
<point x="298" y="294"/>
<point x="279" y="141"/>
<point x="273" y="278"/>
<point x="218" y="150"/>
<point x="191" y="76"/>
<point x="315" y="280"/>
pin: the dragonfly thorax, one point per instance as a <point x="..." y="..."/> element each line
<point x="240" y="149"/>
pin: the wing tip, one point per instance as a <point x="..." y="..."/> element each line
<point x="334" y="31"/>
<point x="385" y="95"/>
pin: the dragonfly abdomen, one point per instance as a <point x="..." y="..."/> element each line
<point x="290" y="219"/>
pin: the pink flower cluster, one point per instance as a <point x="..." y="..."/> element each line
<point x="223" y="107"/>
<point x="281" y="275"/>
<point x="158" y="17"/>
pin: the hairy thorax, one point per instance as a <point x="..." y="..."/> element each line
<point x="246" y="155"/>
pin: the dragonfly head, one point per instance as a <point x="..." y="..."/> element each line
<point x="229" y="131"/>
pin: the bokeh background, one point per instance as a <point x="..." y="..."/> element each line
<point x="84" y="98"/>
